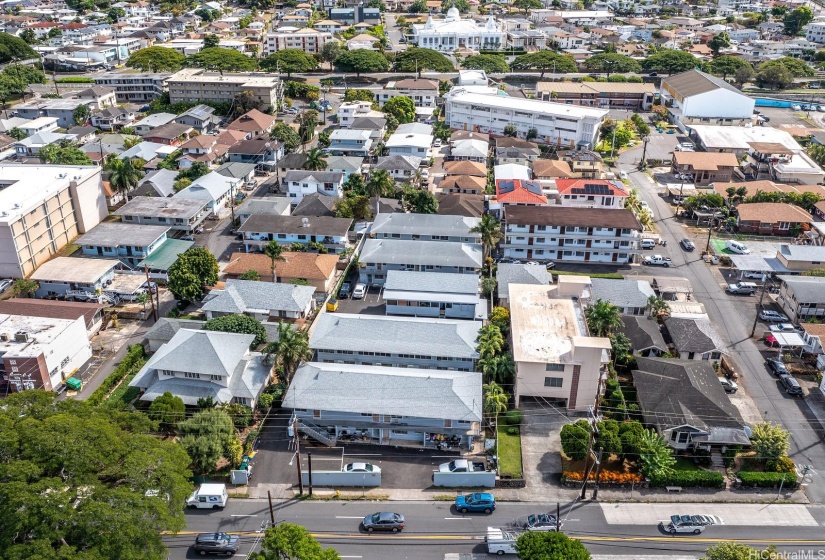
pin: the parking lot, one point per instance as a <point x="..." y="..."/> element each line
<point x="784" y="118"/>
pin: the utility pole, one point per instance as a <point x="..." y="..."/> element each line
<point x="558" y="517"/>
<point x="298" y="456"/>
<point x="594" y="411"/>
<point x="643" y="163"/>
<point x="598" y="471"/>
<point x="271" y="511"/>
<point x="710" y="230"/>
<point x="149" y="287"/>
<point x="759" y="307"/>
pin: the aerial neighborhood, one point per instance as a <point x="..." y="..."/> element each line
<point x="331" y="268"/>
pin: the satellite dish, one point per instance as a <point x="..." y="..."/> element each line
<point x="748" y="431"/>
<point x="304" y="222"/>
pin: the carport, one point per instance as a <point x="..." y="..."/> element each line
<point x="758" y="264"/>
<point x="788" y="339"/>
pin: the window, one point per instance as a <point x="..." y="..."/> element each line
<point x="554" y="367"/>
<point x="553" y="381"/>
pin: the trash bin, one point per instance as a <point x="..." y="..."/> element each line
<point x="332" y="305"/>
<point x="74" y="383"/>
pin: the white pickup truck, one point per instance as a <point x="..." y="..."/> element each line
<point x="656" y="260"/>
<point x="461" y="465"/>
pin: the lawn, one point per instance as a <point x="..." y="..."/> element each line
<point x="509" y="454"/>
<point x="606" y="275"/>
<point x="685" y="464"/>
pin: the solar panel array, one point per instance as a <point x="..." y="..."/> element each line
<point x="592" y="188"/>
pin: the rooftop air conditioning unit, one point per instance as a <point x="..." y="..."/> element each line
<point x="21" y="336"/>
<point x="5" y="337"/>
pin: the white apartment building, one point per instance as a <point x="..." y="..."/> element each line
<point x="40" y="352"/>
<point x="555" y="123"/>
<point x="348" y="111"/>
<point x="452" y="33"/>
<point x="570" y="234"/>
<point x="424" y="93"/>
<point x="307" y="39"/>
<point x="133" y="88"/>
<point x="42" y="209"/>
<point x="198" y="85"/>
<point x="816" y="32"/>
<point x="555" y="357"/>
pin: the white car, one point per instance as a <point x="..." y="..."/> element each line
<point x="772" y="316"/>
<point x="783" y="327"/>
<point x="359" y="292"/>
<point x="425" y="174"/>
<point x="5" y="284"/>
<point x="362" y="468"/>
<point x="437" y="143"/>
<point x="682" y="524"/>
<point x="796" y="107"/>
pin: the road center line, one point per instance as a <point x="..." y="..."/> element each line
<point x="243" y="515"/>
<point x="345" y="517"/>
<point x="462" y="518"/>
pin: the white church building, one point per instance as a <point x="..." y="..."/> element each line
<point x="453" y="33"/>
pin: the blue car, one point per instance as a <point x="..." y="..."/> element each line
<point x="476" y="502"/>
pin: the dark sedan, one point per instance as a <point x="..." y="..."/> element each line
<point x="687" y="244"/>
<point x="384" y="521"/>
<point x="777" y="366"/>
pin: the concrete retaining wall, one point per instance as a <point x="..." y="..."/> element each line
<point x="465" y="479"/>
<point x="338" y="478"/>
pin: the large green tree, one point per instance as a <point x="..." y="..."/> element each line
<point x="286" y="134"/>
<point x="419" y="201"/>
<point x="718" y="42"/>
<point x="727" y="65"/>
<point x="289" y="61"/>
<point x="287" y="541"/>
<point x="733" y="551"/>
<point x="544" y="61"/>
<point x="401" y="107"/>
<point x="64" y="153"/>
<point x="191" y="273"/>
<point x="612" y="63"/>
<point x="222" y="60"/>
<point x="603" y="318"/>
<point x="361" y="60"/>
<point x="81" y="114"/>
<point x="274" y="251"/>
<point x="671" y="61"/>
<point x="535" y="545"/>
<point x="489" y="231"/>
<point x="796" y="19"/>
<point x="76" y="478"/>
<point x="526" y="5"/>
<point x="15" y="49"/>
<point x="797" y="68"/>
<point x="316" y="160"/>
<point x="418" y="60"/>
<point x="380" y="184"/>
<point x="655" y="455"/>
<point x="770" y="441"/>
<point x="156" y="59"/>
<point x="238" y="323"/>
<point x="124" y="174"/>
<point x="167" y="410"/>
<point x="490" y="63"/>
<point x="207" y="436"/>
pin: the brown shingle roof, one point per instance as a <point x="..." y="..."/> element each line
<point x="460" y="204"/>
<point x="473" y="168"/>
<point x="772" y="212"/>
<point x="463" y="182"/>
<point x="570" y="216"/>
<point x="252" y="121"/>
<point x="416" y="83"/>
<point x="551" y="168"/>
<point x="705" y="161"/>
<point x="311" y="266"/>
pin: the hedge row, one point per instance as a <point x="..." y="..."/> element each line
<point x="76" y="80"/>
<point x="766" y="479"/>
<point x="690" y="479"/>
<point x="131" y="362"/>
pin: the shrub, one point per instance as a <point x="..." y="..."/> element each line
<point x="730" y="454"/>
<point x="604" y="476"/>
<point x="277" y="390"/>
<point x="690" y="479"/>
<point x="265" y="401"/>
<point x="513" y="431"/>
<point x="75" y="80"/>
<point x="766" y="479"/>
<point x="250" y="441"/>
<point x="785" y="465"/>
<point x="514" y="417"/>
<point x="241" y="414"/>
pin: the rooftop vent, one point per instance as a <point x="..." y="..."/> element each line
<point x="304" y="222"/>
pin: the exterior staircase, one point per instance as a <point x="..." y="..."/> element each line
<point x="316" y="433"/>
<point x="717" y="461"/>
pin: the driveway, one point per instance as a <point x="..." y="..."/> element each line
<point x="733" y="326"/>
<point x="541" y="445"/>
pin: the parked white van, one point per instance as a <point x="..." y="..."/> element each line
<point x="736" y="247"/>
<point x="648" y="243"/>
<point x="742" y="288"/>
<point x="501" y="541"/>
<point x="209" y="496"/>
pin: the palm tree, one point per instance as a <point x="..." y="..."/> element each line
<point x="123" y="174"/>
<point x="658" y="307"/>
<point x="490" y="341"/>
<point x="633" y="201"/>
<point x="497" y="369"/>
<point x="490" y="231"/>
<point x="380" y="184"/>
<point x="417" y="178"/>
<point x="495" y="400"/>
<point x="316" y="160"/>
<point x="603" y="318"/>
<point x="291" y="348"/>
<point x="307" y="121"/>
<point x="731" y="192"/>
<point x="273" y="250"/>
<point x="741" y="193"/>
<point x="645" y="218"/>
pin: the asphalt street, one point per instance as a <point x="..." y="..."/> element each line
<point x="806" y="446"/>
<point x="433" y="528"/>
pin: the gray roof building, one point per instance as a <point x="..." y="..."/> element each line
<point x="236" y="169"/>
<point x="270" y="206"/>
<point x="245" y="296"/>
<point x="435" y="282"/>
<point x="317" y="176"/>
<point x="643" y="332"/>
<point x="157" y="183"/>
<point x="405" y="392"/>
<point x="435" y="253"/>
<point x="678" y="392"/>
<point x="344" y="163"/>
<point x="396" y="335"/>
<point x="398" y="163"/>
<point x="623" y="294"/>
<point x="292" y="161"/>
<point x="507" y="274"/>
<point x="807" y="289"/>
<point x="318" y="225"/>
<point x="425" y="225"/>
<point x="693" y="336"/>
<point x="316" y="204"/>
<point x="116" y="234"/>
<point x="171" y="208"/>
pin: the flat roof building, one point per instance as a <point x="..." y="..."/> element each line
<point x="198" y="85"/>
